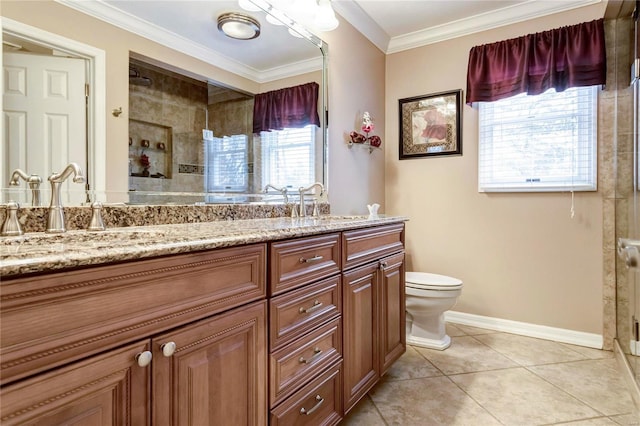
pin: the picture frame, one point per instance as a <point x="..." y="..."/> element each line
<point x="431" y="125"/>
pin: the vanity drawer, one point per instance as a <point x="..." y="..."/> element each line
<point x="295" y="364"/>
<point x="318" y="403"/>
<point x="298" y="262"/>
<point x="365" y="245"/>
<point x="49" y="320"/>
<point x="294" y="313"/>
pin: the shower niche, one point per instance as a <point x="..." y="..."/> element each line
<point x="150" y="148"/>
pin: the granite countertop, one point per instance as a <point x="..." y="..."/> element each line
<point x="41" y="252"/>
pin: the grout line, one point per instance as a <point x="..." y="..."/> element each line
<point x="477" y="402"/>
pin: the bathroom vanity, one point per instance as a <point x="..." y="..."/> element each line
<point x="265" y="321"/>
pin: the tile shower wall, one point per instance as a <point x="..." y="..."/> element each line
<point x="170" y="111"/>
<point x="615" y="160"/>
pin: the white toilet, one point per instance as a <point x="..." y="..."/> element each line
<point x="428" y="296"/>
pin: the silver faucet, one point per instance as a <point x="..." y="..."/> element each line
<point x="55" y="220"/>
<point x="11" y="225"/>
<point x="302" y="190"/>
<point x="283" y="190"/>
<point x="34" y="182"/>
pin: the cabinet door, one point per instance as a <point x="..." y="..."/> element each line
<point x="360" y="319"/>
<point x="392" y="310"/>
<point x="109" y="389"/>
<point x="217" y="374"/>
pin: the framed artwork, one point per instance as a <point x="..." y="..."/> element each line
<point x="431" y="125"/>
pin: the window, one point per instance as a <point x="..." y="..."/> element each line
<point x="226" y="164"/>
<point x="539" y="143"/>
<point x="288" y="157"/>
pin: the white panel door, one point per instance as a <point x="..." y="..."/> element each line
<point x="44" y="111"/>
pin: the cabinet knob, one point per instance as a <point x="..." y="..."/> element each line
<point x="144" y="358"/>
<point x="319" y="402"/>
<point x="383" y="265"/>
<point x="168" y="348"/>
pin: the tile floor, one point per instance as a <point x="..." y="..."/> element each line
<point x="491" y="378"/>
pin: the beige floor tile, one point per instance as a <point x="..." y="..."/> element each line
<point x="473" y="331"/>
<point x="516" y="396"/>
<point x="596" y="382"/>
<point x="466" y="355"/>
<point x="427" y="402"/>
<point x="411" y="365"/>
<point x="590" y="353"/>
<point x="453" y="330"/>
<point x="528" y="350"/>
<point x="627" y="419"/>
<point x="364" y="413"/>
<point x="600" y="421"/>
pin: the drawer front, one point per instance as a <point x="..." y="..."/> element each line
<point x="53" y="319"/>
<point x="298" y="262"/>
<point x="295" y="364"/>
<point x="318" y="403"/>
<point x="365" y="245"/>
<point x="295" y="313"/>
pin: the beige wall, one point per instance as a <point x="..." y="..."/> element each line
<point x="356" y="85"/>
<point x="521" y="256"/>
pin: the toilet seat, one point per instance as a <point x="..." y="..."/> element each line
<point x="428" y="281"/>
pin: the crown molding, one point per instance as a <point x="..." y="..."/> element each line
<point x="107" y="13"/>
<point x="482" y="22"/>
<point x="353" y="13"/>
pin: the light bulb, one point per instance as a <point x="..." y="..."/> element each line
<point x="325" y="17"/>
<point x="248" y="5"/>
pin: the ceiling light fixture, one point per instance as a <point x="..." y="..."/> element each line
<point x="315" y="15"/>
<point x="238" y="26"/>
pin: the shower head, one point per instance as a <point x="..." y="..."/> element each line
<point x="136" y="79"/>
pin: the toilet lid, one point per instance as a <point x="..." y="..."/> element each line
<point x="424" y="280"/>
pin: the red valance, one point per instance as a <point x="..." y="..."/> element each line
<point x="571" y="56"/>
<point x="291" y="107"/>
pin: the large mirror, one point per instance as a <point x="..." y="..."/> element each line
<point x="191" y="136"/>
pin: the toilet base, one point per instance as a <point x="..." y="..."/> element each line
<point x="439" y="344"/>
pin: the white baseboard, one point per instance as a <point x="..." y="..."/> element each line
<point x="563" y="335"/>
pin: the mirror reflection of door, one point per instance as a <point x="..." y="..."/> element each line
<point x="44" y="108"/>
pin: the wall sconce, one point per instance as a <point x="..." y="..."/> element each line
<point x="367" y="127"/>
<point x="238" y="26"/>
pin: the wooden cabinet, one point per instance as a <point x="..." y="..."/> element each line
<point x="108" y="389"/>
<point x="217" y="373"/>
<point x="374" y="307"/>
<point x="69" y="353"/>
<point x="222" y="344"/>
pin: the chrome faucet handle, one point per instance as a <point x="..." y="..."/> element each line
<point x="55" y="219"/>
<point x="315" y="213"/>
<point x="294" y="211"/>
<point x="11" y="225"/>
<point x="34" y="182"/>
<point x="96" y="223"/>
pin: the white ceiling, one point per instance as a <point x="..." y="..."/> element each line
<point x="392" y="25"/>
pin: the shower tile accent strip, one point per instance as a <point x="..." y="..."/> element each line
<point x="191" y="169"/>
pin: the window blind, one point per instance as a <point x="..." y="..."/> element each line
<point x="545" y="142"/>
<point x="288" y="157"/>
<point x="226" y="164"/>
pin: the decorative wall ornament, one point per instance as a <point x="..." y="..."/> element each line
<point x="367" y="127"/>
